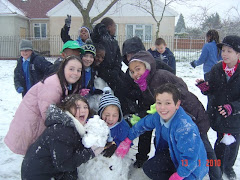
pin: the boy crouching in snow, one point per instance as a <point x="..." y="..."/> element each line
<point x="180" y="153"/>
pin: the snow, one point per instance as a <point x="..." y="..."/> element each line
<point x="10" y="163"/>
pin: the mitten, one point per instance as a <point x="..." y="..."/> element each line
<point x="109" y="149"/>
<point x="203" y="86"/>
<point x="225" y="110"/>
<point x="193" y="64"/>
<point x="84" y="92"/>
<point x="175" y="176"/>
<point x="98" y="91"/>
<point x="152" y="109"/>
<point x="97" y="150"/>
<point x="20" y="89"/>
<point x="123" y="148"/>
<point x="134" y="119"/>
<point x="68" y="21"/>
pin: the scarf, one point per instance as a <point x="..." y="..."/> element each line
<point x="142" y="81"/>
<point x="229" y="71"/>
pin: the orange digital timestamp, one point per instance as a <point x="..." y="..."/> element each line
<point x="209" y="162"/>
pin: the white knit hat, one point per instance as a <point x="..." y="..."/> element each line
<point x="109" y="99"/>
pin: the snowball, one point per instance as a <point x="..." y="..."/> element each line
<point x="96" y="132"/>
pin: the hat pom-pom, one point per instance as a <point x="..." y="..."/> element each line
<point x="228" y="139"/>
<point x="106" y="90"/>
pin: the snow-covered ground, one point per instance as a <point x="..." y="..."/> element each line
<point x="10" y="163"/>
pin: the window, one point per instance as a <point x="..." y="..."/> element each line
<point x="40" y="30"/>
<point x="143" y="31"/>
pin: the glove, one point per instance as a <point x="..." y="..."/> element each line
<point x="68" y="21"/>
<point x="134" y="119"/>
<point x="175" y="176"/>
<point x="20" y="90"/>
<point x="123" y="148"/>
<point x="109" y="149"/>
<point x="84" y="92"/>
<point x="193" y="64"/>
<point x="152" y="109"/>
<point x="97" y="150"/>
<point x="225" y="110"/>
<point x="203" y="86"/>
<point x="98" y="91"/>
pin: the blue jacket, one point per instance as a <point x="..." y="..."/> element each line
<point x="208" y="57"/>
<point x="185" y="144"/>
<point x="119" y="132"/>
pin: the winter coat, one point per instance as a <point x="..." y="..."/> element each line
<point x="28" y="122"/>
<point x="223" y="92"/>
<point x="58" y="151"/>
<point x="38" y="68"/>
<point x="209" y="56"/>
<point x="184" y="143"/>
<point x="119" y="132"/>
<point x="189" y="101"/>
<point x="65" y="36"/>
<point x="168" y="57"/>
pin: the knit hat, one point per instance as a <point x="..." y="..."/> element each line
<point x="84" y="27"/>
<point x="89" y="47"/>
<point x="109" y="99"/>
<point x="72" y="45"/>
<point x="231" y="41"/>
<point x="25" y="45"/>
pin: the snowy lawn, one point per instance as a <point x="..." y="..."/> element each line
<point x="10" y="163"/>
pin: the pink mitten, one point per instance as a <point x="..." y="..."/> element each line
<point x="175" y="176"/>
<point x="84" y="92"/>
<point x="203" y="86"/>
<point x="123" y="148"/>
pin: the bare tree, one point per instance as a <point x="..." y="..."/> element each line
<point x="85" y="11"/>
<point x="156" y="9"/>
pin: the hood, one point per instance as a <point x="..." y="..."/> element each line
<point x="132" y="45"/>
<point x="147" y="58"/>
<point x="56" y="115"/>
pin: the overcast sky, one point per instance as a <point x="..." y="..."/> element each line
<point x="213" y="6"/>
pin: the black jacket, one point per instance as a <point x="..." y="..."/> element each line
<point x="38" y="67"/>
<point x="58" y="151"/>
<point x="224" y="92"/>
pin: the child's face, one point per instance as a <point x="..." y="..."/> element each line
<point x="161" y="48"/>
<point x="81" y="113"/>
<point x="87" y="59"/>
<point x="137" y="69"/>
<point x="230" y="56"/>
<point x="100" y="54"/>
<point x="165" y="106"/>
<point x="84" y="34"/>
<point x="72" y="71"/>
<point x="110" y="115"/>
<point x="112" y="29"/>
<point x="26" y="53"/>
<point x="68" y="52"/>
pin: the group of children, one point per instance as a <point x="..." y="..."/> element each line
<point x="49" y="123"/>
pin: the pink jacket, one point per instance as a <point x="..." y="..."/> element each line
<point x="28" y="122"/>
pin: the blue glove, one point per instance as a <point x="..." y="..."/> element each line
<point x="20" y="89"/>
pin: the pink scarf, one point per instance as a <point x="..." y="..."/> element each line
<point x="142" y="81"/>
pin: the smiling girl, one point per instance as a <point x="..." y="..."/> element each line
<point x="28" y="122"/>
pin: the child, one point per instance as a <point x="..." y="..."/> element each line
<point x="28" y="122"/>
<point x="210" y="53"/>
<point x="83" y="32"/>
<point x="179" y="148"/>
<point x="110" y="111"/>
<point x="30" y="69"/>
<point x="143" y="70"/>
<point x="69" y="48"/>
<point x="161" y="49"/>
<point x="224" y="105"/>
<point x="59" y="150"/>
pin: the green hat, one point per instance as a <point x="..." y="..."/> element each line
<point x="72" y="45"/>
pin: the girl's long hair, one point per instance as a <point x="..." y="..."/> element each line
<point x="213" y="36"/>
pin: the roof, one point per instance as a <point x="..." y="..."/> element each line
<point x="119" y="9"/>
<point x="8" y="8"/>
<point x="35" y="8"/>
